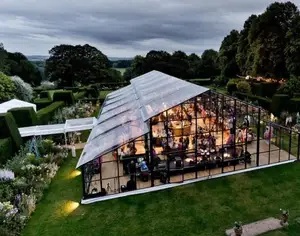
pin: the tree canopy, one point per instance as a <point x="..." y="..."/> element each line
<point x="7" y="88"/>
<point x="177" y="64"/>
<point x="85" y="64"/>
<point x="16" y="64"/>
<point x="268" y="45"/>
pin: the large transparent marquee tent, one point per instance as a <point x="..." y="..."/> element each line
<point x="160" y="130"/>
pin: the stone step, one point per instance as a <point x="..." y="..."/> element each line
<point x="257" y="228"/>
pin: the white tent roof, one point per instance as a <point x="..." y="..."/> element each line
<point x="15" y="103"/>
<point x="125" y="112"/>
<point x="70" y="126"/>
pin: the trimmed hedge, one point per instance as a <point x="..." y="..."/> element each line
<point x="296" y="95"/>
<point x="231" y="86"/>
<point x="79" y="95"/>
<point x="74" y="89"/>
<point x="92" y="92"/>
<point x="6" y="150"/>
<point x="66" y="96"/>
<point x="263" y="102"/>
<point x="93" y="100"/>
<point x="42" y="103"/>
<point x="280" y="102"/>
<point x="9" y="129"/>
<point x="256" y="89"/>
<point x="201" y="82"/>
<point x="294" y="105"/>
<point x="45" y="94"/>
<point x="264" y="89"/>
<point x="25" y="116"/>
<point x="45" y="115"/>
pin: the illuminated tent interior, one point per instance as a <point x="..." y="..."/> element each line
<point x="161" y="129"/>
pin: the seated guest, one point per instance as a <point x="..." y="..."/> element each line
<point x="240" y="136"/>
<point x="187" y="141"/>
<point x="122" y="154"/>
<point x="132" y="168"/>
<point x="143" y="166"/>
<point x="131" y="184"/>
<point x="154" y="152"/>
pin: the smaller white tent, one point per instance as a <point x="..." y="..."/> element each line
<point x="15" y="103"/>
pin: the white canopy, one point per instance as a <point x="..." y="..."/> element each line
<point x="72" y="125"/>
<point x="15" y="103"/>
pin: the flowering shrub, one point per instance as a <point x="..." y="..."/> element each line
<point x="46" y="85"/>
<point x="6" y="175"/>
<point x="78" y="110"/>
<point x="23" y="181"/>
<point x="24" y="90"/>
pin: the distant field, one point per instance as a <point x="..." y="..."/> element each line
<point x="122" y="70"/>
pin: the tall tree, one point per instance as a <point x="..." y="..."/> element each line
<point x="18" y="65"/>
<point x="209" y="67"/>
<point x="179" y="64"/>
<point x="292" y="48"/>
<point x="137" y="66"/>
<point x="157" y="60"/>
<point x="244" y="56"/>
<point x="268" y="36"/>
<point x="85" y="64"/>
<point x="3" y="56"/>
<point x="195" y="64"/>
<point x="227" y="55"/>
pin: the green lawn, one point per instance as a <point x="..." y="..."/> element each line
<point x="218" y="89"/>
<point x="205" y="208"/>
<point x="122" y="70"/>
<point x="103" y="94"/>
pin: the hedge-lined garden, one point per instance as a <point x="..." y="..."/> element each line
<point x="271" y="96"/>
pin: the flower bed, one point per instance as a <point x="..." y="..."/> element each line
<point x="23" y="180"/>
<point x="78" y="110"/>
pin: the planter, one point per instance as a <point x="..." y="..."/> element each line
<point x="284" y="219"/>
<point x="238" y="231"/>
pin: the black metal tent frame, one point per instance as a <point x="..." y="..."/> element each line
<point x="283" y="134"/>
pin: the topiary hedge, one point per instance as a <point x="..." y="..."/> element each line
<point x="294" y="105"/>
<point x="73" y="89"/>
<point x="265" y="89"/>
<point x="25" y="116"/>
<point x="280" y="102"/>
<point x="256" y="89"/>
<point x="232" y="86"/>
<point x="263" y="102"/>
<point x="45" y="115"/>
<point x="66" y="96"/>
<point x="45" y="94"/>
<point x="79" y="95"/>
<point x="201" y="82"/>
<point x="42" y="103"/>
<point x="92" y="92"/>
<point x="9" y="129"/>
<point x="6" y="150"/>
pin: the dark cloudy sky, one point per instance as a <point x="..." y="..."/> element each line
<point x="122" y="28"/>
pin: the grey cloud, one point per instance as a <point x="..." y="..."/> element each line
<point x="116" y="26"/>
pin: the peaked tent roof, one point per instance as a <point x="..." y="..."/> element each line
<point x="15" y="103"/>
<point x="125" y="112"/>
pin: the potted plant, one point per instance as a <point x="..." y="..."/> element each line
<point x="238" y="229"/>
<point x="284" y="217"/>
